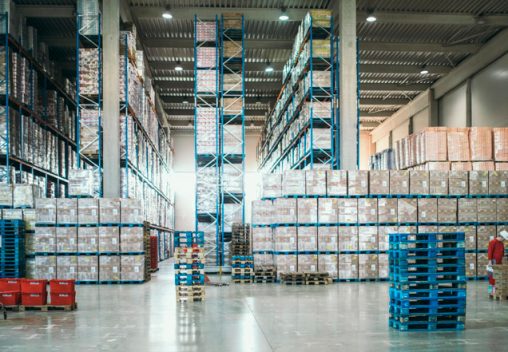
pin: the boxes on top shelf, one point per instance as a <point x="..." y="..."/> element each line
<point x="315" y="182"/>
<point x="336" y="182"/>
<point x="458" y="144"/>
<point x="271" y="185"/>
<point x="500" y="143"/>
<point x="293" y="182"/>
<point x="109" y="210"/>
<point x="88" y="211"/>
<point x="379" y="182"/>
<point x="307" y="210"/>
<point x="481" y="143"/>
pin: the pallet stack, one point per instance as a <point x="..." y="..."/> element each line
<point x="189" y="266"/>
<point x="242" y="271"/>
<point x="240" y="239"/>
<point x="12" y="248"/>
<point x="428" y="282"/>
<point x="501" y="277"/>
<point x="306" y="278"/>
<point x="265" y="274"/>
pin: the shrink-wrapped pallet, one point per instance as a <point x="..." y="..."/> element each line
<point x="66" y="239"/>
<point x="88" y="268"/>
<point x="24" y="195"/>
<point x="447" y="210"/>
<point x="206" y="57"/>
<point x="367" y="266"/>
<point x="502" y="209"/>
<point x="12" y="214"/>
<point x="481" y="143"/>
<point x="30" y="218"/>
<point x="206" y="130"/>
<point x="293" y="182"/>
<point x="458" y="182"/>
<point x="45" y="239"/>
<point x="467" y="211"/>
<point x="109" y="268"/>
<point x="458" y="144"/>
<point x="109" y="210"/>
<point x="328" y="210"/>
<point x="262" y="212"/>
<point x="383" y="266"/>
<point x="6" y="195"/>
<point x="348" y="266"/>
<point x="307" y="210"/>
<point x="315" y="182"/>
<point x="367" y="210"/>
<point x="367" y="238"/>
<point x="89" y="71"/>
<point x="387" y="210"/>
<point x="307" y="263"/>
<point x="469" y="236"/>
<point x="358" y="182"/>
<point x="419" y="182"/>
<point x="67" y="267"/>
<point x="427" y="210"/>
<point x="232" y="139"/>
<point x="81" y="182"/>
<point x="328" y="263"/>
<point x="500" y="143"/>
<point x="132" y="268"/>
<point x="427" y="229"/>
<point x="327" y="238"/>
<point x="498" y="182"/>
<point x="399" y="182"/>
<point x="336" y="182"/>
<point x="67" y="210"/>
<point x="88" y="239"/>
<point x="484" y="234"/>
<point x="45" y="267"/>
<point x="348" y="238"/>
<point x="437" y="166"/>
<point x="285" y="210"/>
<point x="470" y="264"/>
<point x="383" y="236"/>
<point x="88" y="211"/>
<point x="131" y="239"/>
<point x="486" y="208"/>
<point x="262" y="239"/>
<point x="285" y="238"/>
<point x="206" y="81"/>
<point x="481" y="265"/>
<point x="483" y="165"/>
<point x="307" y="238"/>
<point x="285" y="263"/>
<point x="461" y="166"/>
<point x="261" y="259"/>
<point x="435" y="144"/>
<point x="438" y="182"/>
<point x="131" y="211"/>
<point x="271" y="185"/>
<point x="348" y="211"/>
<point x="46" y="210"/>
<point x="379" y="181"/>
<point x="478" y="182"/>
<point x="407" y="210"/>
<point x="501" y="166"/>
<point x="109" y="238"/>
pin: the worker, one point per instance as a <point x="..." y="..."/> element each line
<point x="495" y="255"/>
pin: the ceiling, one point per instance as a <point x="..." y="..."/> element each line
<point x="407" y="36"/>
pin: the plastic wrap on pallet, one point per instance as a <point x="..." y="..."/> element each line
<point x="82" y="182"/>
<point x="478" y="182"/>
<point x="399" y="182"/>
<point x="206" y="81"/>
<point x="367" y="238"/>
<point x="498" y="182"/>
<point x="232" y="139"/>
<point x="88" y="211"/>
<point x="46" y="210"/>
<point x="427" y="210"/>
<point x="483" y="165"/>
<point x="262" y="212"/>
<point x="285" y="263"/>
<point x="500" y="143"/>
<point x="271" y="185"/>
<point x="461" y="166"/>
<point x="262" y="259"/>
<point x="131" y="239"/>
<point x="368" y="266"/>
<point x="285" y="238"/>
<point x="109" y="210"/>
<point x="315" y="182"/>
<point x="447" y="210"/>
<point x="407" y="210"/>
<point x="45" y="267"/>
<point x="435" y="144"/>
<point x="293" y="182"/>
<point x="358" y="182"/>
<point x="348" y="238"/>
<point x="348" y="266"/>
<point x="328" y="210"/>
<point x="307" y="238"/>
<point x="328" y="238"/>
<point x="486" y="209"/>
<point x="348" y="210"/>
<point x="307" y="210"/>
<point x="501" y="166"/>
<point x="132" y="267"/>
<point x="24" y="195"/>
<point x="419" y="182"/>
<point x="458" y="144"/>
<point x="262" y="239"/>
<point x="6" y="195"/>
<point x="285" y="210"/>
<point x="131" y="211"/>
<point x="467" y="211"/>
<point x="66" y="240"/>
<point x="502" y="209"/>
<point x="67" y="267"/>
<point x="232" y="178"/>
<point x="30" y="218"/>
<point x="206" y="31"/>
<point x="206" y="189"/>
<point x="12" y="214"/>
<point x="89" y="71"/>
<point x="367" y="210"/>
<point x="484" y="234"/>
<point x="471" y="265"/>
<point x="109" y="268"/>
<point x="328" y="263"/>
<point x="88" y="239"/>
<point x="206" y="57"/>
<point x="232" y="214"/>
<point x="379" y="182"/>
<point x="67" y="210"/>
<point x="109" y="239"/>
<point x="384" y="235"/>
<point x="206" y="130"/>
<point x="45" y="240"/>
<point x="336" y="182"/>
<point x="481" y="143"/>
<point x="307" y="263"/>
<point x="458" y="182"/>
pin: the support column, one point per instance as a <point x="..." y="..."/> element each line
<point x="111" y="99"/>
<point x="348" y="86"/>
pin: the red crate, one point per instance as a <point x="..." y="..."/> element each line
<point x="10" y="298"/>
<point x="10" y="285"/>
<point x="33" y="286"/>
<point x="154" y="253"/>
<point x="63" y="299"/>
<point x="62" y="286"/>
<point x="34" y="299"/>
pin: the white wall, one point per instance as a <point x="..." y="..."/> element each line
<point x="421" y="120"/>
<point x="366" y="149"/>
<point x="453" y="107"/>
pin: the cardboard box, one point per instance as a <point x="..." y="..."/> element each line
<point x="109" y="239"/>
<point x="367" y="266"/>
<point x="498" y="182"/>
<point x="501" y="166"/>
<point x="67" y="267"/>
<point x="328" y="210"/>
<point x="348" y="211"/>
<point x="435" y="144"/>
<point x="481" y="143"/>
<point x="88" y="268"/>
<point x="271" y="185"/>
<point x="484" y="234"/>
<point x="467" y="211"/>
<point x="132" y="268"/>
<point x="438" y="182"/>
<point x="6" y="195"/>
<point x="328" y="238"/>
<point x="483" y="165"/>
<point x="285" y="238"/>
<point x="358" y="182"/>
<point x="461" y="166"/>
<point x="406" y="229"/>
<point x="367" y="210"/>
<point x="348" y="238"/>
<point x="486" y="209"/>
<point x="45" y="240"/>
<point x="307" y="239"/>
<point x="285" y="263"/>
<point x="262" y="212"/>
<point x="66" y="240"/>
<point x="315" y="182"/>
<point x="427" y="229"/>
<point x="481" y="264"/>
<point x="502" y="209"/>
<point x="131" y="239"/>
<point x="293" y="182"/>
<point x="399" y="182"/>
<point x="109" y="210"/>
<point x="307" y="210"/>
<point x="379" y="182"/>
<point x="307" y="263"/>
<point x="469" y="236"/>
<point x="67" y="210"/>
<point x="427" y="210"/>
<point x="45" y="267"/>
<point x="348" y="266"/>
<point x="383" y="266"/>
<point x="447" y="210"/>
<point x="500" y="143"/>
<point x="328" y="263"/>
<point x="24" y="195"/>
<point x="419" y="182"/>
<point x="12" y="214"/>
<point x="478" y="182"/>
<point x="46" y="210"/>
<point x="262" y="239"/>
<point x="458" y="144"/>
<point x="470" y="264"/>
<point x="88" y="239"/>
<point x="336" y="182"/>
<point x="109" y="268"/>
<point x="131" y="211"/>
<point x="407" y="210"/>
<point x="285" y="210"/>
<point x="88" y="211"/>
<point x="263" y="259"/>
<point x="30" y="218"/>
<point x="367" y="238"/>
<point x="387" y="210"/>
<point x="383" y="237"/>
<point x="458" y="182"/>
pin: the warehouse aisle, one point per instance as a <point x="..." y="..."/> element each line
<point x="244" y="318"/>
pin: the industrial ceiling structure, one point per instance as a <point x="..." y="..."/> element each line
<point x="404" y="45"/>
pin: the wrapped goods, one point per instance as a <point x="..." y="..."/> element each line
<point x="109" y="210"/>
<point x="478" y="182"/>
<point x="285" y="263"/>
<point x="502" y="209"/>
<point x="109" y="268"/>
<point x="206" y="189"/>
<point x="438" y="182"/>
<point x="348" y="238"/>
<point x="458" y="182"/>
<point x="232" y="139"/>
<point x="467" y="210"/>
<point x="30" y="218"/>
<point x="109" y="239"/>
<point x="285" y="210"/>
<point x="486" y="209"/>
<point x="45" y="240"/>
<point x="447" y="210"/>
<point x="481" y="143"/>
<point x="348" y="210"/>
<point x="46" y="210"/>
<point x="387" y="210"/>
<point x="271" y="185"/>
<point x="437" y="166"/>
<point x="12" y="214"/>
<point x="498" y="182"/>
<point x="336" y="182"/>
<point x="285" y="238"/>
<point x="66" y="240"/>
<point x="67" y="267"/>
<point x="5" y="195"/>
<point x="399" y="182"/>
<point x="427" y="210"/>
<point x="131" y="239"/>
<point x="307" y="210"/>
<point x="483" y="165"/>
<point x="383" y="237"/>
<point x="470" y="264"/>
<point x="328" y="210"/>
<point x="367" y="238"/>
<point x="232" y="82"/>
<point x="261" y="259"/>
<point x="232" y="49"/>
<point x="206" y="31"/>
<point x="206" y="81"/>
<point x="233" y="214"/>
<point x="82" y="182"/>
<point x="262" y="239"/>
<point x="67" y="211"/>
<point x="419" y="182"/>
<point x="434" y="144"/>
<point x="24" y="195"/>
<point x="407" y="210"/>
<point x="379" y="182"/>
<point x="88" y="211"/>
<point x="131" y="211"/>
<point x="89" y="71"/>
<point x="461" y="166"/>
<point x="132" y="267"/>
<point x="293" y="182"/>
<point x="327" y="238"/>
<point x="367" y="210"/>
<point x="383" y="266"/>
<point x="500" y="143"/>
<point x="458" y="144"/>
<point x="206" y="130"/>
<point x="315" y="182"/>
<point x="88" y="268"/>
<point x="263" y="212"/>
<point x="469" y="236"/>
<point x="358" y="182"/>
<point x="348" y="266"/>
<point x="45" y="267"/>
<point x="307" y="263"/>
<point x="481" y="265"/>
<point x="307" y="239"/>
<point x="206" y="57"/>
<point x="501" y="166"/>
<point x="367" y="266"/>
<point x="328" y="263"/>
<point x="232" y="178"/>
<point x="484" y="234"/>
<point x="88" y="239"/>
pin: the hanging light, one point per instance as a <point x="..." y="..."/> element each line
<point x="371" y="17"/>
<point x="178" y="66"/>
<point x="167" y="14"/>
<point x="283" y="15"/>
<point x="185" y="101"/>
<point x="269" y="67"/>
<point x="424" y="70"/>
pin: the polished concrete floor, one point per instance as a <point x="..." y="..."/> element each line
<point x="262" y="317"/>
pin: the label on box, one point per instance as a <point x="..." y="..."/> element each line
<point x="424" y="214"/>
<point x="92" y="269"/>
<point x="71" y="241"/>
<point x="72" y="269"/>
<point x="291" y="268"/>
<point x="503" y="184"/>
<point x="373" y="211"/>
<point x="291" y="240"/>
<point x="136" y="269"/>
<point x="115" y="269"/>
<point x="51" y="270"/>
<point x="312" y="268"/>
<point x="471" y="265"/>
<point x="384" y="183"/>
<point x="484" y="183"/>
<point x="113" y="240"/>
<point x="92" y="241"/>
<point x="392" y="211"/>
<point x="443" y="184"/>
<point x="373" y="267"/>
<point x="404" y="183"/>
<point x="424" y="183"/>
<point x="463" y="183"/>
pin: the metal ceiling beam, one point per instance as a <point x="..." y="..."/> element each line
<point x="248" y="100"/>
<point x="376" y="114"/>
<point x="387" y="101"/>
<point x="369" y="124"/>
<point x="266" y="86"/>
<point x="393" y="87"/>
<point x="189" y="65"/>
<point x="188" y="43"/>
<point x="419" y="47"/>
<point x="435" y="18"/>
<point x="47" y="11"/>
<point x="409" y="69"/>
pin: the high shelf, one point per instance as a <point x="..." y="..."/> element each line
<point x="299" y="132"/>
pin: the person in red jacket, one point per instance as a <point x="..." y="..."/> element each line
<point x="495" y="255"/>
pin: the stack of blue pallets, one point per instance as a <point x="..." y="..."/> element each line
<point x="242" y="269"/>
<point x="12" y="248"/>
<point x="189" y="266"/>
<point x="428" y="281"/>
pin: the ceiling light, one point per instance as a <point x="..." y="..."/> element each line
<point x="167" y="14"/>
<point x="269" y="67"/>
<point x="178" y="66"/>
<point x="424" y="71"/>
<point x="190" y="124"/>
<point x="185" y="101"/>
<point x="283" y="15"/>
<point x="480" y="20"/>
<point x="371" y="17"/>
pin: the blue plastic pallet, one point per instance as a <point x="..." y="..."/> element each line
<point x="427" y="326"/>
<point x="416" y="294"/>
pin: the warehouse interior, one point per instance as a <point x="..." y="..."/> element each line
<point x="262" y="175"/>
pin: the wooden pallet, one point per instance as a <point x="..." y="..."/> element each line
<point x="242" y="281"/>
<point x="48" y="307"/>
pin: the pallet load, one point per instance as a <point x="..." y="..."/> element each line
<point x="240" y="239"/>
<point x="306" y="278"/>
<point x="428" y="282"/>
<point x="12" y="248"/>
<point x="189" y="266"/>
<point x="501" y="277"/>
<point x="265" y="274"/>
<point x="242" y="271"/>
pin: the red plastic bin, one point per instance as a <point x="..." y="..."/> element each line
<point x="10" y="298"/>
<point x="10" y="285"/>
<point x="33" y="286"/>
<point x="34" y="299"/>
<point x="63" y="299"/>
<point x="62" y="286"/>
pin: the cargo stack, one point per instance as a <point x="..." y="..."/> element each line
<point x="428" y="283"/>
<point x="501" y="277"/>
<point x="265" y="274"/>
<point x="189" y="266"/>
<point x="12" y="249"/>
<point x="240" y="240"/>
<point x="242" y="269"/>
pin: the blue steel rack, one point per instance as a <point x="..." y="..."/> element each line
<point x="232" y="141"/>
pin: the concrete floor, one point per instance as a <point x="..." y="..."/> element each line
<point x="262" y="317"/>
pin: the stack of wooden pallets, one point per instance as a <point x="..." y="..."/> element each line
<point x="501" y="277"/>
<point x="306" y="278"/>
<point x="265" y="274"/>
<point x="189" y="266"/>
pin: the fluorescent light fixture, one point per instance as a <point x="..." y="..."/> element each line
<point x="185" y="101"/>
<point x="424" y="71"/>
<point x="283" y="15"/>
<point x="269" y="67"/>
<point x="167" y="14"/>
<point x="371" y="17"/>
<point x="178" y="66"/>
